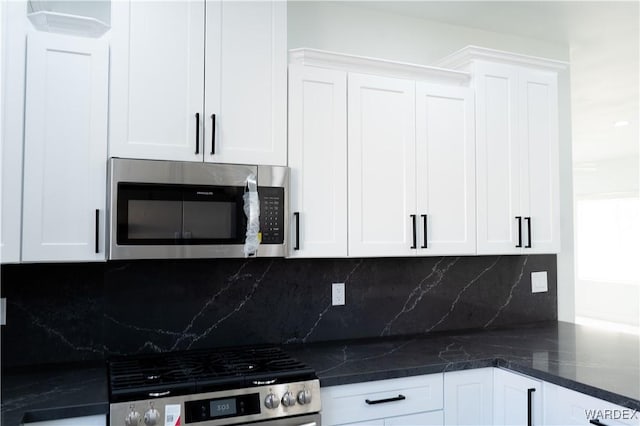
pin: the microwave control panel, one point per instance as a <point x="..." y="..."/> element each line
<point x="271" y="214"/>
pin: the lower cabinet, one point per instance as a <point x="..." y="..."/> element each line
<point x="517" y="400"/>
<point x="564" y="406"/>
<point x="468" y="397"/>
<point x="407" y="401"/>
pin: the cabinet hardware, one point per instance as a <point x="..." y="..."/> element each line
<point x="296" y="215"/>
<point x="413" y="218"/>
<point x="528" y="219"/>
<point x="382" y="401"/>
<point x="197" y="133"/>
<point x="597" y="422"/>
<point x="213" y="134"/>
<point x="519" y="219"/>
<point x="530" y="392"/>
<point x="97" y="238"/>
<point x="424" y="223"/>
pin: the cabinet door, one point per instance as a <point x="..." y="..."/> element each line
<point x="563" y="406"/>
<point x="318" y="161"/>
<point x="445" y="153"/>
<point x="511" y="393"/>
<point x="382" y="168"/>
<point x="538" y="134"/>
<point x="246" y="82"/>
<point x="12" y="60"/>
<point x="65" y="148"/>
<point x="468" y="397"/>
<point x="157" y="80"/>
<point x="434" y="418"/>
<point x="497" y="159"/>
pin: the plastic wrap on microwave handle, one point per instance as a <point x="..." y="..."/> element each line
<point x="252" y="211"/>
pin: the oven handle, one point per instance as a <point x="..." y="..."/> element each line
<point x="309" y="424"/>
<point x="159" y="394"/>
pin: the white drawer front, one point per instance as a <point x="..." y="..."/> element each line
<point x="348" y="403"/>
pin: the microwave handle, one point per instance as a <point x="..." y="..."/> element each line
<point x="296" y="215"/>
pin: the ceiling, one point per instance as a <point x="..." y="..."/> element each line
<point x="603" y="37"/>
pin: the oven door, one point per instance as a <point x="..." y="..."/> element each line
<point x="306" y="420"/>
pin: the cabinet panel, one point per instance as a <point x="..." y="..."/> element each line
<point x="468" y="397"/>
<point x="563" y="406"/>
<point x="382" y="177"/>
<point x="12" y="58"/>
<point x="318" y="161"/>
<point x="65" y="148"/>
<point x="434" y="418"/>
<point x="250" y="96"/>
<point x="347" y="403"/>
<point x="445" y="152"/>
<point x="157" y="79"/>
<point x="540" y="167"/>
<point x="510" y="404"/>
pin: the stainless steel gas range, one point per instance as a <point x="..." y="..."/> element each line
<point x="213" y="387"/>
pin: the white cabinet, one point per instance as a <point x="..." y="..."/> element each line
<point x="565" y="407"/>
<point x="411" y="168"/>
<point x="382" y="166"/>
<point x="517" y="159"/>
<point x="517" y="400"/>
<point x="445" y="155"/>
<point x="468" y="397"/>
<point x="318" y="161"/>
<point x="97" y="420"/>
<point x="199" y="81"/>
<point x="409" y="400"/>
<point x="65" y="148"/>
<point x="12" y="60"/>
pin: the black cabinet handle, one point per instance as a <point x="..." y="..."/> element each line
<point x="597" y="422"/>
<point x="424" y="224"/>
<point x="519" y="219"/>
<point x="197" y="133"/>
<point x="413" y="218"/>
<point x="213" y="134"/>
<point x="530" y="392"/>
<point x="528" y="219"/>
<point x="382" y="401"/>
<point x="296" y="215"/>
<point x="97" y="238"/>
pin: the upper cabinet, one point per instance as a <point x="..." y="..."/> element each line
<point x="199" y="81"/>
<point x="65" y="148"/>
<point x="516" y="150"/>
<point x="409" y="141"/>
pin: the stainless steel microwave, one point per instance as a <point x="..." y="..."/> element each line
<point x="171" y="209"/>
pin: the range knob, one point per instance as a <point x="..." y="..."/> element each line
<point x="151" y="417"/>
<point x="304" y="397"/>
<point x="288" y="399"/>
<point x="132" y="419"/>
<point x="271" y="401"/>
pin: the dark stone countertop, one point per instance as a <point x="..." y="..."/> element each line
<point x="599" y="363"/>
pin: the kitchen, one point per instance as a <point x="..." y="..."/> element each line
<point x="95" y="310"/>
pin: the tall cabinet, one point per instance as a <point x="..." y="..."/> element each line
<point x="517" y="150"/>
<point x="199" y="81"/>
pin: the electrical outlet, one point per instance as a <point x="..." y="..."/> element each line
<point x="539" y="282"/>
<point x="337" y="294"/>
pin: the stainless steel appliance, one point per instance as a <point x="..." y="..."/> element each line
<point x="171" y="209"/>
<point x="213" y="387"/>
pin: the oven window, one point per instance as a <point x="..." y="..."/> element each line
<point x="152" y="214"/>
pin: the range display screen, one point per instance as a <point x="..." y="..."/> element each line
<point x="222" y="407"/>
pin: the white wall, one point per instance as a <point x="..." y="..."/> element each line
<point x="347" y="28"/>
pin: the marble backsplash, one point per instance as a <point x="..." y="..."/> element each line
<point x="89" y="311"/>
